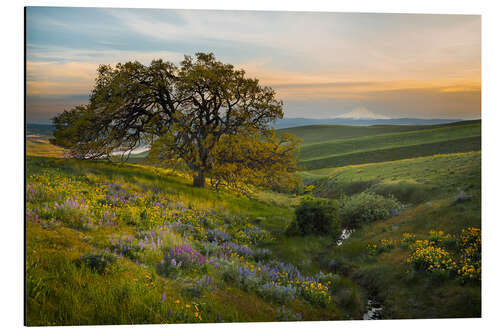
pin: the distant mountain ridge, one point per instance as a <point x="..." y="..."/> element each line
<point x="47" y="129"/>
<point x="296" y="122"/>
<point x="39" y="129"/>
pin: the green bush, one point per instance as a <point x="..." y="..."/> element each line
<point x="97" y="261"/>
<point x="316" y="216"/>
<point x="404" y="191"/>
<point x="366" y="207"/>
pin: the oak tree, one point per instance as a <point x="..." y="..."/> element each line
<point x="187" y="110"/>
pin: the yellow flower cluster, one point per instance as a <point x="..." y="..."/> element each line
<point x="438" y="237"/>
<point x="315" y="292"/>
<point x="408" y="237"/>
<point x="382" y="246"/>
<point x="425" y="255"/>
<point x="470" y="254"/>
<point x="465" y="263"/>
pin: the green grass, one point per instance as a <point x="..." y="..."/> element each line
<point x="67" y="200"/>
<point x="384" y="141"/>
<point x="432" y="176"/>
<point x="74" y="207"/>
<point x="315" y="134"/>
<point x="40" y="146"/>
<point x="394" y="154"/>
<point x="328" y="146"/>
<point x="429" y="187"/>
<point x="388" y="277"/>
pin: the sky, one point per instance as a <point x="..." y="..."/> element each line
<point x="322" y="65"/>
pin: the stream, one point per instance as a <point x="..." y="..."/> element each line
<point x="345" y="234"/>
<point x="373" y="310"/>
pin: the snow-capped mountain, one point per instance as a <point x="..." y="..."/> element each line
<point x="362" y="113"/>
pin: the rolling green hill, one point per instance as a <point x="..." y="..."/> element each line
<point x="421" y="178"/>
<point x="334" y="146"/>
<point x="314" y="134"/>
<point x="397" y="153"/>
<point x="440" y="192"/>
<point x="81" y="211"/>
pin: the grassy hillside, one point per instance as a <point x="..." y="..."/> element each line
<point x="37" y="145"/>
<point x="378" y="257"/>
<point x="101" y="239"/>
<point x="40" y="146"/>
<point x="396" y="153"/>
<point x="390" y="140"/>
<point x="314" y="134"/>
<point x="397" y="142"/>
<point x="442" y="194"/>
<point x="419" y="179"/>
<point x="129" y="244"/>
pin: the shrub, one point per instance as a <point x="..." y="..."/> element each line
<point x="73" y="213"/>
<point x="245" y="277"/>
<point x="404" y="191"/>
<point x="424" y="255"/>
<point x="262" y="254"/>
<point x="97" y="261"/>
<point x="367" y="207"/>
<point x="316" y="216"/>
<point x="277" y="293"/>
<point x="181" y="257"/>
<point x="185" y="255"/>
<point x="314" y="292"/>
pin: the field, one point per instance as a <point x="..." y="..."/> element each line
<point x="122" y="244"/>
<point x="334" y="146"/>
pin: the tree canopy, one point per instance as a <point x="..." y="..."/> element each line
<point x="204" y="115"/>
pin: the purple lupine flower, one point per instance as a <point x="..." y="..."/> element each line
<point x="163" y="296"/>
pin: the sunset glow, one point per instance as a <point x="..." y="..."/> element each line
<point x="321" y="64"/>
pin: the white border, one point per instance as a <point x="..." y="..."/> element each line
<point x="12" y="82"/>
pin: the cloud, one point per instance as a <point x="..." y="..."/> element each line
<point x="51" y="78"/>
<point x="318" y="62"/>
<point x="36" y="53"/>
<point x="74" y="71"/>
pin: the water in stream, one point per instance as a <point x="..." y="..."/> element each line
<point x="345" y="234"/>
<point x="373" y="310"/>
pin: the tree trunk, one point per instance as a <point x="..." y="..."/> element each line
<point x="199" y="179"/>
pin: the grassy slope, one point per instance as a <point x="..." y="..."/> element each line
<point x="40" y="146"/>
<point x="344" y="145"/>
<point x="62" y="293"/>
<point x="390" y="140"/>
<point x="315" y="134"/>
<point x="428" y="186"/>
<point x="387" y="277"/>
<point x="431" y="176"/>
<point x="396" y="153"/>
